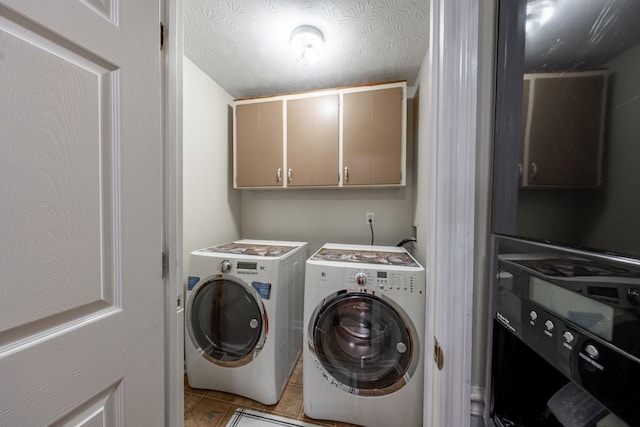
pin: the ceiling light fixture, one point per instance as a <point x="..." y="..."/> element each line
<point x="307" y="44"/>
<point x="539" y="12"/>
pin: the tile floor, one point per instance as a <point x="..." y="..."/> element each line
<point x="214" y="408"/>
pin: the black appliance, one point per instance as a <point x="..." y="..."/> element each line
<point x="566" y="212"/>
<point x="564" y="315"/>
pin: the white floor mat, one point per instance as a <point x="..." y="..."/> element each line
<point x="248" y="418"/>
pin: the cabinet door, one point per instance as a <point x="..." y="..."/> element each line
<point x="259" y="130"/>
<point x="565" y="131"/>
<point x="372" y="143"/>
<point x="526" y="90"/>
<point x="312" y="141"/>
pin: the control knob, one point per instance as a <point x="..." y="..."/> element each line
<point x="361" y="279"/>
<point x="568" y="337"/>
<point x="549" y="325"/>
<point x="225" y="266"/>
<point x="633" y="295"/>
<point x="592" y="351"/>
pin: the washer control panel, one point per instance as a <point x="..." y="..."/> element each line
<point x="386" y="281"/>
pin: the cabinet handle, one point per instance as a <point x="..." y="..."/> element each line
<point x="346" y="174"/>
<point x="519" y="170"/>
<point x="279" y="174"/>
<point x="290" y="175"/>
<point x="534" y="171"/>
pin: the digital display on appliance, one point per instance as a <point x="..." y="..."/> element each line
<point x="243" y="265"/>
<point x="585" y="312"/>
<point x="382" y="274"/>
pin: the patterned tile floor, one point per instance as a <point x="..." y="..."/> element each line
<point x="214" y="408"/>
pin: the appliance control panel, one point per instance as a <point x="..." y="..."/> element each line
<point x="247" y="270"/>
<point x="603" y="370"/>
<point x="392" y="282"/>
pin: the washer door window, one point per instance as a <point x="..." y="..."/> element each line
<point x="364" y="342"/>
<point x="227" y="321"/>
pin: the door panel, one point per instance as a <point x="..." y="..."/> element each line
<point x="386" y="136"/>
<point x="373" y="137"/>
<point x="61" y="247"/>
<point x="259" y="133"/>
<point x="524" y="156"/>
<point x="81" y="323"/>
<point x="565" y="147"/>
<point x="312" y="140"/>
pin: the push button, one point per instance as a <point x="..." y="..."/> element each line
<point x="592" y="352"/>
<point x="568" y="337"/>
<point x="549" y="325"/>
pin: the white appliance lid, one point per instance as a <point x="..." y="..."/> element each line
<point x="364" y="256"/>
<point x="265" y="250"/>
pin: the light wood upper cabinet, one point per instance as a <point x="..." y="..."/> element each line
<point x="343" y="137"/>
<point x="313" y="141"/>
<point x="259" y="138"/>
<point x="373" y="137"/>
<point x="563" y="129"/>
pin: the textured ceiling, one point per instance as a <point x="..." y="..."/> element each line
<point x="244" y="44"/>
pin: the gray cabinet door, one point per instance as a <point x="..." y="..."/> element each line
<point x="373" y="137"/>
<point x="565" y="131"/>
<point x="259" y="143"/>
<point x="313" y="141"/>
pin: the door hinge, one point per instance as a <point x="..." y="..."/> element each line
<point x="438" y="355"/>
<point x="161" y="36"/>
<point x="165" y="264"/>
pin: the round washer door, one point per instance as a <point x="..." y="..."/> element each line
<point x="227" y="321"/>
<point x="365" y="342"/>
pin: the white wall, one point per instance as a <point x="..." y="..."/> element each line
<point x="322" y="216"/>
<point x="211" y="207"/>
<point x="421" y="114"/>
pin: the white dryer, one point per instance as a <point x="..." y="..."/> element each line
<point x="363" y="356"/>
<point x="244" y="317"/>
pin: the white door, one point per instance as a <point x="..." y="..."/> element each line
<point x="81" y="292"/>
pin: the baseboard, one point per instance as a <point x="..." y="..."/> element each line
<point x="477" y="421"/>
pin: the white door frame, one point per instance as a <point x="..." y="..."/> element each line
<point x="452" y="129"/>
<point x="172" y="11"/>
<point x="451" y="201"/>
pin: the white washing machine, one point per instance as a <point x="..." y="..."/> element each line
<point x="363" y="352"/>
<point x="244" y="317"/>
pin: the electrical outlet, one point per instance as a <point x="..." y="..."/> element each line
<point x="369" y="218"/>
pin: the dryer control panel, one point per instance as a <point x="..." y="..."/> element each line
<point x="392" y="282"/>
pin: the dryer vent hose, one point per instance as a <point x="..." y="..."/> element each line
<point x="407" y="240"/>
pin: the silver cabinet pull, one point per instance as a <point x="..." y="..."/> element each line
<point x="279" y="174"/>
<point x="534" y="171"/>
<point x="290" y="175"/>
<point x="519" y="170"/>
<point x="346" y="174"/>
